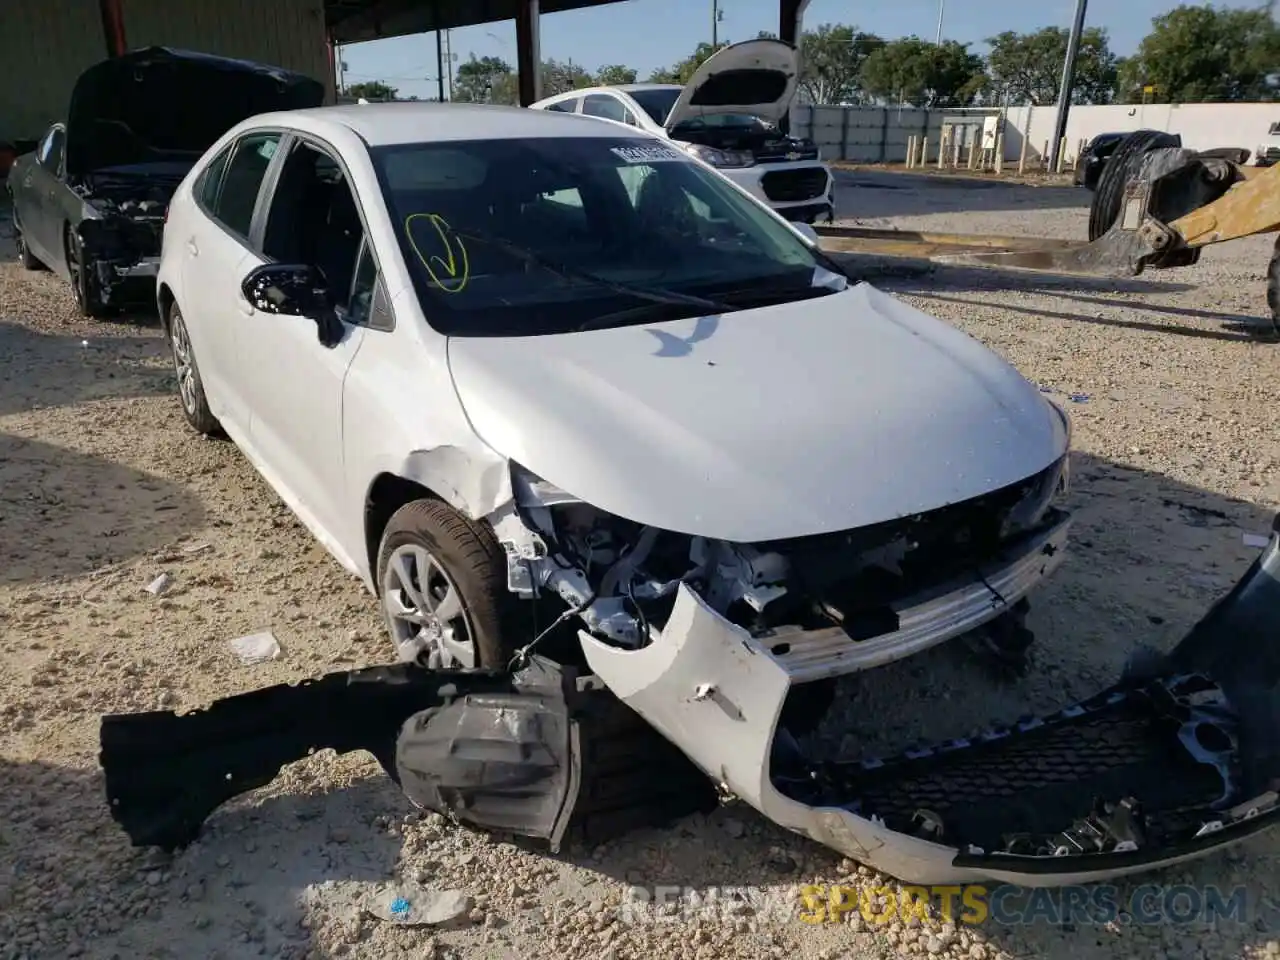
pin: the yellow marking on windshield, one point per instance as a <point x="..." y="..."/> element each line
<point x="454" y="265"/>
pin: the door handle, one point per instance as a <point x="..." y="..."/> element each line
<point x="192" y="248"/>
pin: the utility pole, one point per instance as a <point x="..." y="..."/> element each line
<point x="439" y="64"/>
<point x="1065" y="88"/>
<point x="448" y="56"/>
<point x="942" y="6"/>
<point x="715" y="23"/>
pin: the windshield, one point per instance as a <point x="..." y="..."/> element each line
<point x="531" y="237"/>
<point x="657" y="103"/>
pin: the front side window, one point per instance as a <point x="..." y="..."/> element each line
<point x="241" y="181"/>
<point x="528" y="237"/>
<point x="210" y="181"/>
<point x="314" y="219"/>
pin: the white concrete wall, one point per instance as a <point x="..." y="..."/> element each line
<point x="1202" y="125"/>
<point x="879" y="135"/>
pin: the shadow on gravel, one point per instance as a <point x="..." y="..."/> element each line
<point x="40" y="370"/>
<point x="64" y="513"/>
<point x="872" y="193"/>
<point x="1148" y="557"/>
<point x="239" y="892"/>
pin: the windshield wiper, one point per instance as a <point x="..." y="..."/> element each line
<point x="653" y="294"/>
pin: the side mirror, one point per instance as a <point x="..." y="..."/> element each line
<point x="810" y="234"/>
<point x="296" y="290"/>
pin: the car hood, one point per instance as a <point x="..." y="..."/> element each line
<point x="756" y="77"/>
<point x="784" y="421"/>
<point x="160" y="104"/>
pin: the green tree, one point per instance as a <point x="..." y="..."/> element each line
<point x="1196" y="53"/>
<point x="1027" y="67"/>
<point x="613" y="74"/>
<point x="682" y="71"/>
<point x="831" y="61"/>
<point x="923" y="74"/>
<point x="484" y="80"/>
<point x="371" y="90"/>
<point x="560" y="77"/>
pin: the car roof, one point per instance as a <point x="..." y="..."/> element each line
<point x="412" y="121"/>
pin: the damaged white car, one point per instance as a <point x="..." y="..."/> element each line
<point x="599" y="429"/>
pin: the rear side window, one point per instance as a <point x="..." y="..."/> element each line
<point x="211" y="179"/>
<point x="242" y="179"/>
<point x="564" y="106"/>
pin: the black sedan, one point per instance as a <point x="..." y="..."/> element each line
<point x="89" y="202"/>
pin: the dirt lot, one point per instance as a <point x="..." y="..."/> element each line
<point x="102" y="488"/>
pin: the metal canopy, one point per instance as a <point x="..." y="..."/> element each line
<point x="351" y="21"/>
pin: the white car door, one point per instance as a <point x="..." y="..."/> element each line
<point x="216" y="253"/>
<point x="293" y="381"/>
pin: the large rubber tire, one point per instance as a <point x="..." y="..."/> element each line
<point x="1122" y="164"/>
<point x="194" y="403"/>
<point x="472" y="558"/>
<point x="84" y="281"/>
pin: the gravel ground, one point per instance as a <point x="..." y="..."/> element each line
<point x="102" y="488"/>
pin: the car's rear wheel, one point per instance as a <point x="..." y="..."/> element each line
<point x="28" y="259"/>
<point x="442" y="579"/>
<point x="84" y="279"/>
<point x="195" y="405"/>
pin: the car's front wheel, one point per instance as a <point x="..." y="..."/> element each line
<point x="442" y="579"/>
<point x="84" y="279"/>
<point x="195" y="405"/>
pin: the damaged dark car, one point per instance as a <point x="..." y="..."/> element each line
<point x="89" y="203"/>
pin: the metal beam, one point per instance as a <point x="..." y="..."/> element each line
<point x="528" y="52"/>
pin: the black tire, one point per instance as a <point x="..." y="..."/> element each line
<point x="195" y="405"/>
<point x="84" y="282"/>
<point x="1120" y="166"/>
<point x="1273" y="287"/>
<point x="28" y="259"/>
<point x="470" y="556"/>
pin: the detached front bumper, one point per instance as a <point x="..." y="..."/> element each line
<point x="1160" y="768"/>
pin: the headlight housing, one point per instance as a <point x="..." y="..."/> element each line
<point x="722" y="158"/>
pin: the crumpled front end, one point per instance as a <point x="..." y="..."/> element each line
<point x="1182" y="756"/>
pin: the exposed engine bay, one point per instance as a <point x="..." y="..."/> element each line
<point x="124" y="240"/>
<point x="621" y="577"/>
<point x="764" y="142"/>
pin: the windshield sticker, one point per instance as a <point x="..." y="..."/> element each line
<point x="648" y="154"/>
<point x="450" y="268"/>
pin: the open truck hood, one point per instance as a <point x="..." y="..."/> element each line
<point x="160" y="104"/>
<point x="766" y="423"/>
<point x="755" y="77"/>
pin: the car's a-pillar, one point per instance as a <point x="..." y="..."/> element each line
<point x="790" y="26"/>
<point x="529" y="52"/>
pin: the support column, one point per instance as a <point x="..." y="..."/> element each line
<point x="528" y="52"/>
<point x="790" y="26"/>
<point x="113" y="27"/>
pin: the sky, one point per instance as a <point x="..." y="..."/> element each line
<point x="647" y="34"/>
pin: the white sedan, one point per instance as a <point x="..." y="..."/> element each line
<point x="536" y="380"/>
<point x="727" y="115"/>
